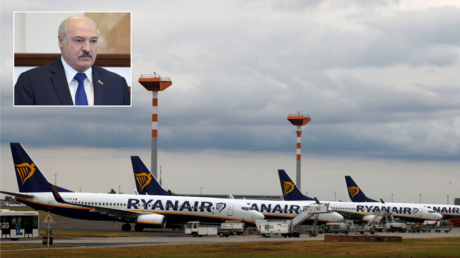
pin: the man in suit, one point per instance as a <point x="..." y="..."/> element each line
<point x="73" y="79"/>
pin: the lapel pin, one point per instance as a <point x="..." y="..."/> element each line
<point x="99" y="81"/>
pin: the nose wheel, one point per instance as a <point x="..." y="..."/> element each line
<point x="126" y="227"/>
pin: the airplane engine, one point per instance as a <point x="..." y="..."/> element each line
<point x="152" y="221"/>
<point x="368" y="217"/>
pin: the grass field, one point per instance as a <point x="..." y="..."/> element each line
<point x="438" y="247"/>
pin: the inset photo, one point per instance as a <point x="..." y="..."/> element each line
<point x="77" y="59"/>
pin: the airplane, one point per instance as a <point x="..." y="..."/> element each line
<point x="151" y="211"/>
<point x="361" y="210"/>
<point x="356" y="194"/>
<point x="146" y="183"/>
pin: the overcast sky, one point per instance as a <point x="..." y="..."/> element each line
<point x="380" y="80"/>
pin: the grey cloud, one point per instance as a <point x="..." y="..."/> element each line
<point x="236" y="80"/>
<point x="299" y="5"/>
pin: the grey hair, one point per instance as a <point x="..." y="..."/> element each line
<point x="62" y="31"/>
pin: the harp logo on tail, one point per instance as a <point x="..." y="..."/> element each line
<point x="353" y="191"/>
<point x="288" y="187"/>
<point x="25" y="171"/>
<point x="143" y="179"/>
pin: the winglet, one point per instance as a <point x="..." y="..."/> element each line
<point x="56" y="194"/>
<point x="382" y="201"/>
<point x="289" y="189"/>
<point x="316" y="200"/>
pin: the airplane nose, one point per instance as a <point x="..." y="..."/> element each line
<point x="258" y="216"/>
<point x="338" y="217"/>
<point x="438" y="216"/>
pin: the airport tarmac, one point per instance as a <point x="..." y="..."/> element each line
<point x="158" y="237"/>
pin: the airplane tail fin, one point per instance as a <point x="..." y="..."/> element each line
<point x="289" y="189"/>
<point x="355" y="193"/>
<point x="30" y="178"/>
<point x="146" y="183"/>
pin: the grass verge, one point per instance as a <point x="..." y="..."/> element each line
<point x="438" y="247"/>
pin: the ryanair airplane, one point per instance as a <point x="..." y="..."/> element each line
<point x="357" y="195"/>
<point x="144" y="211"/>
<point x="361" y="210"/>
<point x="147" y="184"/>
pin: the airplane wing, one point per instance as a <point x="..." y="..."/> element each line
<point x="101" y="210"/>
<point x="22" y="195"/>
<point x="350" y="214"/>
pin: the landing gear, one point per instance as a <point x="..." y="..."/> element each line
<point x="138" y="227"/>
<point x="126" y="227"/>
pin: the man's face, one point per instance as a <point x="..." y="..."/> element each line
<point x="80" y="47"/>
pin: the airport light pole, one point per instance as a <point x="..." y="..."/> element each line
<point x="420" y="198"/>
<point x="201" y="190"/>
<point x="55" y="179"/>
<point x="447" y="199"/>
<point x="391" y="197"/>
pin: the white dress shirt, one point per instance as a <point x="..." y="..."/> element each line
<point x="73" y="83"/>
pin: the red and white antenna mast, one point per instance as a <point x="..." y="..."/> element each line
<point x="298" y="120"/>
<point x="154" y="83"/>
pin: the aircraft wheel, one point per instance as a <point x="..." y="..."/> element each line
<point x="138" y="227"/>
<point x="126" y="227"/>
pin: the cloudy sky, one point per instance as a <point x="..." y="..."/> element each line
<point x="380" y="80"/>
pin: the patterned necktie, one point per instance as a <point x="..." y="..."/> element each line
<point x="80" y="96"/>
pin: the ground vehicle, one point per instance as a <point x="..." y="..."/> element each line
<point x="235" y="228"/>
<point x="366" y="228"/>
<point x="281" y="227"/>
<point x="443" y="225"/>
<point x="291" y="228"/>
<point x="395" y="227"/>
<point x="18" y="224"/>
<point x="336" y="228"/>
<point x="195" y="228"/>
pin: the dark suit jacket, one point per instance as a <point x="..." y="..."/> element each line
<point x="47" y="85"/>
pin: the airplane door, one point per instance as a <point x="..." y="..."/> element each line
<point x="50" y="202"/>
<point x="230" y="209"/>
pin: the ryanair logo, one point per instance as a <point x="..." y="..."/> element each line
<point x="288" y="187"/>
<point x="221" y="206"/>
<point x="143" y="179"/>
<point x="354" y="190"/>
<point x="25" y="171"/>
